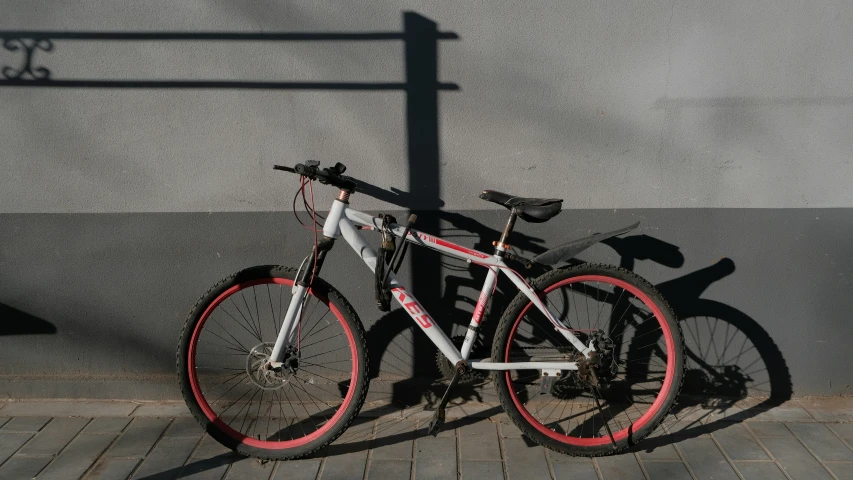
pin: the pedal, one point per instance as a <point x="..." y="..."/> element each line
<point x="436" y="423"/>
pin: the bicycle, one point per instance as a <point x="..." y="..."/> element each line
<point x="295" y="341"/>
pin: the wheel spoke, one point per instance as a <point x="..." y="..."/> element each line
<point x="633" y="343"/>
<point x="231" y="375"/>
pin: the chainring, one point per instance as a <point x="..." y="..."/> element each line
<point x="472" y="376"/>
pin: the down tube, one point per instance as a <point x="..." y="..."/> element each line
<point x="427" y="324"/>
<point x="354" y="238"/>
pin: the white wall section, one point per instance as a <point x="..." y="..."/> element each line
<point x="606" y="104"/>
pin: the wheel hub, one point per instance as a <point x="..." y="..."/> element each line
<point x="263" y="376"/>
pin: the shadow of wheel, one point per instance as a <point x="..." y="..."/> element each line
<point x="729" y="357"/>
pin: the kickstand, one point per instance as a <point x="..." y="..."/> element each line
<point x="438" y="417"/>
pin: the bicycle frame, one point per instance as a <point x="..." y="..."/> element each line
<point x="345" y="222"/>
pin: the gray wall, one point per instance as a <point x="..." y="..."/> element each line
<point x="723" y="126"/>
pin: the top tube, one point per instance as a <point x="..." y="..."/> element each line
<point x="426" y="240"/>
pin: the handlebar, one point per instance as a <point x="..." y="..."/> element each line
<point x="327" y="176"/>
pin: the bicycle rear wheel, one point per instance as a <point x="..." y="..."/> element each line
<point x="227" y="340"/>
<point x="639" y="376"/>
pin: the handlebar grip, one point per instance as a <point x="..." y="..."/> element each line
<point x="326" y="176"/>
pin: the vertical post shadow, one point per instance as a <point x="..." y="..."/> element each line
<point x="420" y="37"/>
<point x="421" y="57"/>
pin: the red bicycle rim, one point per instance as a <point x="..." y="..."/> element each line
<point x="659" y="399"/>
<point x="211" y="415"/>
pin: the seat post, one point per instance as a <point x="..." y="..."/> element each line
<point x="502" y="245"/>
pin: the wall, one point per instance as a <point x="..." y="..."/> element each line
<point x="722" y="126"/>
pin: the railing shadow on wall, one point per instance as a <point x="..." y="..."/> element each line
<point x="420" y="37"/>
<point x="713" y="380"/>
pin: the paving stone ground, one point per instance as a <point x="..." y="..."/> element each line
<point x="53" y="439"/>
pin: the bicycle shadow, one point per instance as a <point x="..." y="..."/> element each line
<point x="709" y="381"/>
<point x="731" y="359"/>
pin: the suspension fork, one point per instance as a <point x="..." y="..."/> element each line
<point x="301" y="285"/>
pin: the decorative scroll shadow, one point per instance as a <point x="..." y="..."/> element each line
<point x="27" y="70"/>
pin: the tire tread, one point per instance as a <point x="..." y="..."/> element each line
<point x="507" y="320"/>
<point x="346" y="310"/>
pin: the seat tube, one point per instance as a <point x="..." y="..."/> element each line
<point x="488" y="287"/>
<point x="479" y="310"/>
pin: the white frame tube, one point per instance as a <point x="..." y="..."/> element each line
<point x="342" y="221"/>
<point x="487" y="364"/>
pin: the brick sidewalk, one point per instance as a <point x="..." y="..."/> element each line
<point x="809" y="438"/>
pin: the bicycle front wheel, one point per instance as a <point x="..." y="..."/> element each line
<point x="635" y="384"/>
<point x="226" y="342"/>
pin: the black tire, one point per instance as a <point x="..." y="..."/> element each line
<point x="352" y="388"/>
<point x="570" y="389"/>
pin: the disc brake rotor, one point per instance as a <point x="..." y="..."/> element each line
<point x="259" y="374"/>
